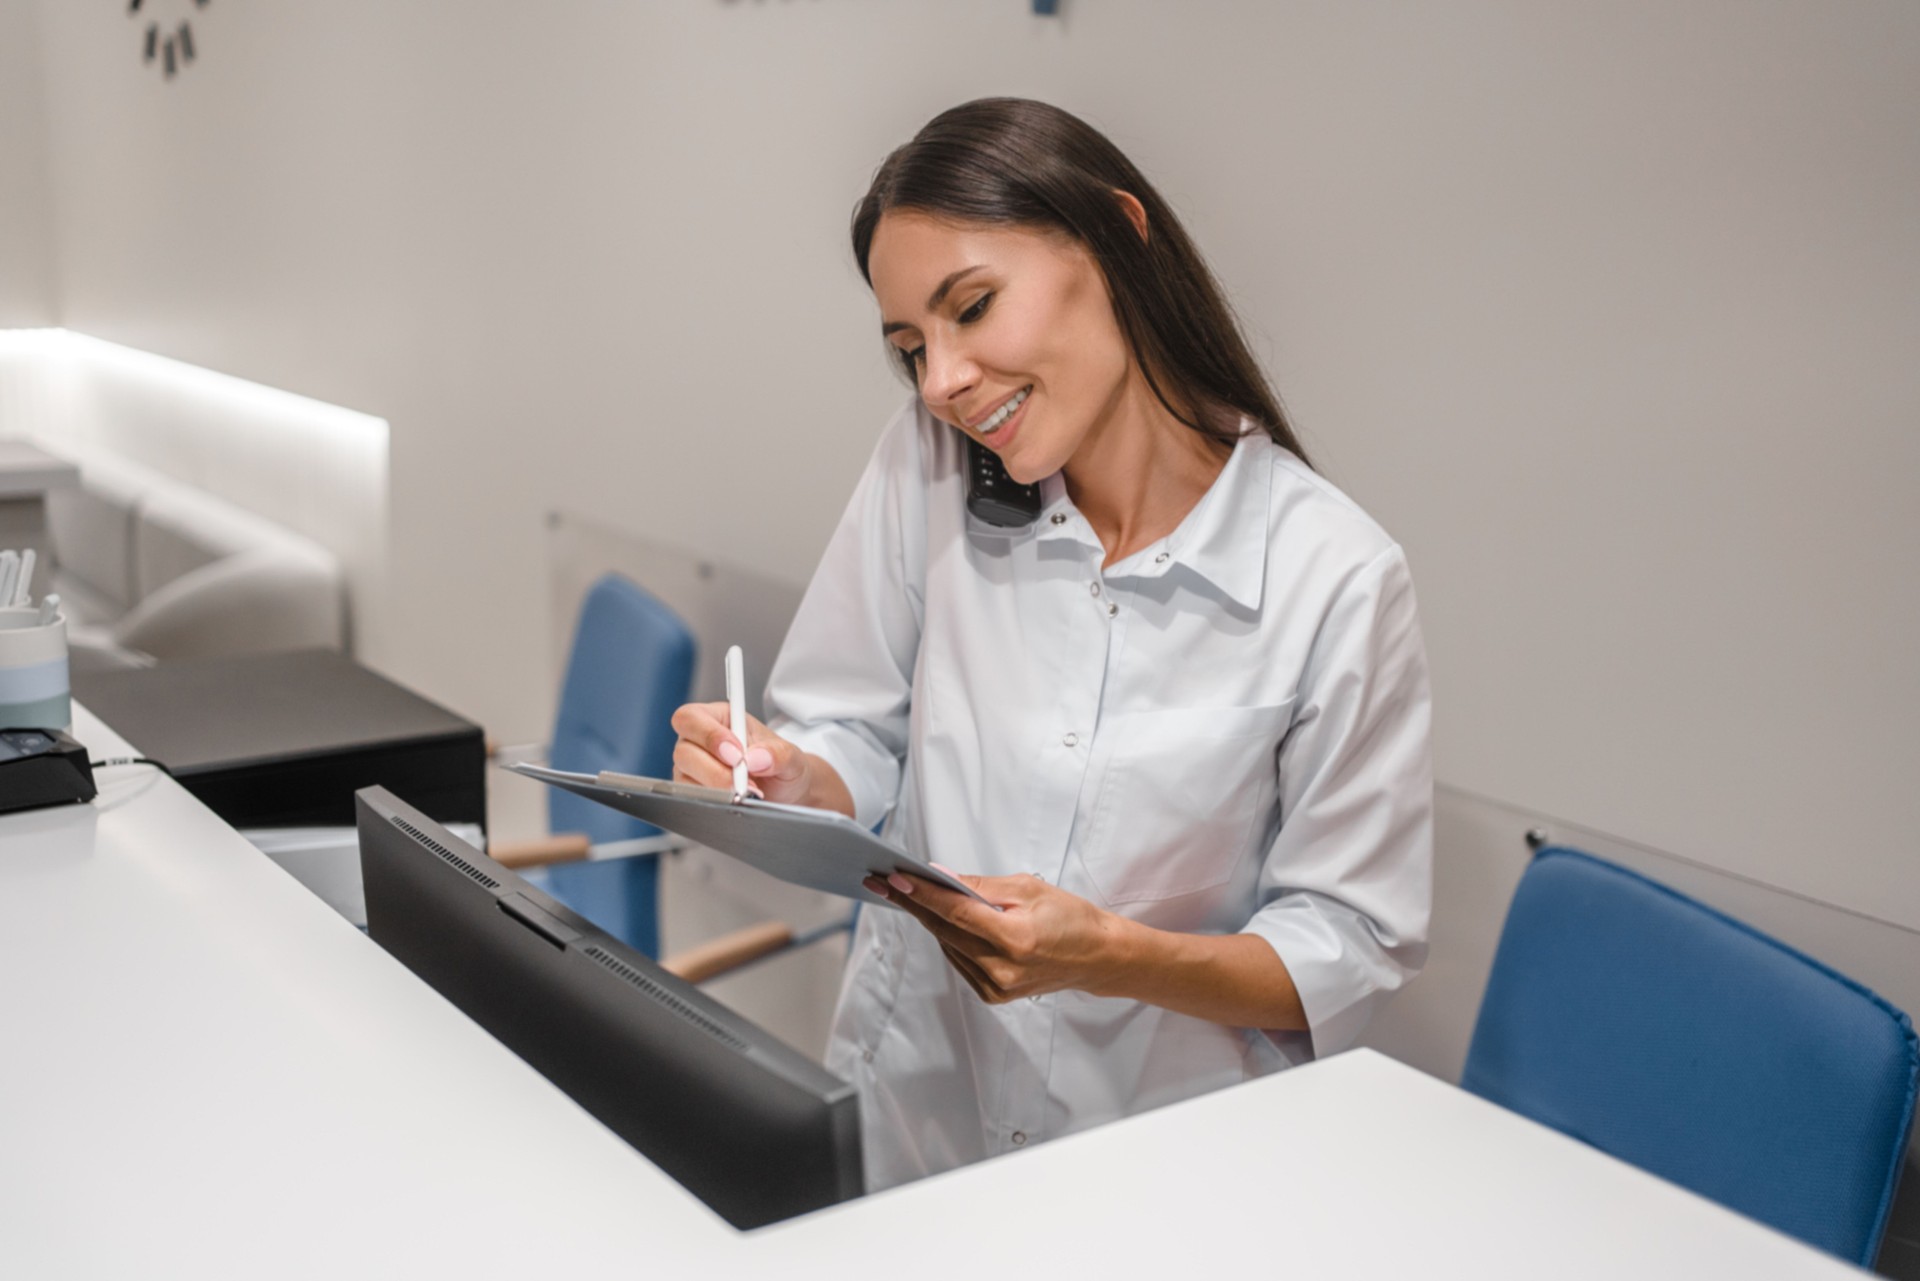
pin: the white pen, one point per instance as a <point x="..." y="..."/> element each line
<point x="737" y="715"/>
<point x="22" y="594"/>
<point x="49" y="606"/>
<point x="9" y="574"/>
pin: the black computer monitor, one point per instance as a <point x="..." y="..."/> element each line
<point x="750" y="1126"/>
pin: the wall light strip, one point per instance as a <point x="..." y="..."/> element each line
<point x="271" y="404"/>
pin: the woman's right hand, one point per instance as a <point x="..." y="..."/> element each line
<point x="707" y="752"/>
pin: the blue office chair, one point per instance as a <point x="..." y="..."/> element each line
<point x="630" y="666"/>
<point x="1693" y="1046"/>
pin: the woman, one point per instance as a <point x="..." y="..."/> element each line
<point x="1176" y="730"/>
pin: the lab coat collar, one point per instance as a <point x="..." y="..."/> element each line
<point x="1223" y="539"/>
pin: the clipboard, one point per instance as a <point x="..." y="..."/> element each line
<point x="818" y="849"/>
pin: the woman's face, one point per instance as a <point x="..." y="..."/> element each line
<point x="1011" y="331"/>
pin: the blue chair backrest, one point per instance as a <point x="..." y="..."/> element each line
<point x="1693" y="1046"/>
<point x="631" y="666"/>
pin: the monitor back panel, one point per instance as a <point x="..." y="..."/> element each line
<point x="753" y="1128"/>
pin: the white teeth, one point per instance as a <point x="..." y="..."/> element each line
<point x="1000" y="415"/>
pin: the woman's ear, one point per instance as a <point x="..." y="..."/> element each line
<point x="1135" y="211"/>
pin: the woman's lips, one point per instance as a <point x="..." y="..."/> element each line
<point x="979" y="422"/>
<point x="1003" y="435"/>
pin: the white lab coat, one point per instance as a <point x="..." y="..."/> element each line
<point x="1227" y="731"/>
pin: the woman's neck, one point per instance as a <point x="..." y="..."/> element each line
<point x="1139" y="472"/>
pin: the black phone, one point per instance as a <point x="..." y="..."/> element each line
<point x="995" y="497"/>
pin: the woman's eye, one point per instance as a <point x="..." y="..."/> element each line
<point x="976" y="309"/>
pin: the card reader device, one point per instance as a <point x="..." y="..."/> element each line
<point x="40" y="767"/>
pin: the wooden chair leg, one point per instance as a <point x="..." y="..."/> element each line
<point x="729" y="951"/>
<point x="565" y="847"/>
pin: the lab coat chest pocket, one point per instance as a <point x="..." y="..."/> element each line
<point x="1181" y="791"/>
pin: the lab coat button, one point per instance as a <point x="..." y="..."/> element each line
<point x="1112" y="610"/>
<point x="1019" y="1138"/>
<point x="1059" y="518"/>
<point x="1161" y="559"/>
<point x="1070" y="739"/>
<point x="1093" y="589"/>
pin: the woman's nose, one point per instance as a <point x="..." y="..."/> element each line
<point x="947" y="376"/>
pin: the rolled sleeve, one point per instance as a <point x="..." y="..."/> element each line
<point x="1346" y="889"/>
<point x="842" y="685"/>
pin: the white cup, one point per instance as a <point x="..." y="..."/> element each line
<point x="36" y="691"/>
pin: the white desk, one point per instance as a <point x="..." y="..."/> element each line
<point x="207" y="1072"/>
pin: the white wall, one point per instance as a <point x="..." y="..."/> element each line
<point x="26" y="276"/>
<point x="1608" y="310"/>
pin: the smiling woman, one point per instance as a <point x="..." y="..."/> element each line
<point x="1017" y="336"/>
<point x="1014" y="164"/>
<point x="1175" y="730"/>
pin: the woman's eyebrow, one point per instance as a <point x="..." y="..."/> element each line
<point x="946" y="286"/>
<point x="934" y="299"/>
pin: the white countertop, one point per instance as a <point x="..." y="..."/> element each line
<point x="207" y="1072"/>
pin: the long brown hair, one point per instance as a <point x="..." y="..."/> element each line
<point x="1025" y="163"/>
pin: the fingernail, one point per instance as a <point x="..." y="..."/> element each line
<point x="874" y="885"/>
<point x="729" y="754"/>
<point x="759" y="760"/>
<point x="900" y="882"/>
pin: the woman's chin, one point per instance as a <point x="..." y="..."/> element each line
<point x="1025" y="474"/>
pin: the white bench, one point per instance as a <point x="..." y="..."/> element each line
<point x="151" y="569"/>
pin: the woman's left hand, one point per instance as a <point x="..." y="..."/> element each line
<point x="1042" y="940"/>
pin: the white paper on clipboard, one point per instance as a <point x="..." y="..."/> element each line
<point x="818" y="849"/>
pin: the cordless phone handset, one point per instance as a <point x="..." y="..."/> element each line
<point x="995" y="497"/>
